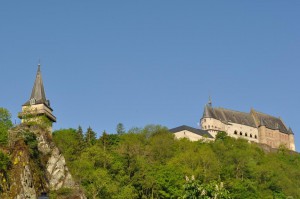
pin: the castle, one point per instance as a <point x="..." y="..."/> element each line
<point x="37" y="108"/>
<point x="254" y="126"/>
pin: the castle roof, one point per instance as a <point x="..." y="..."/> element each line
<point x="253" y="119"/>
<point x="269" y="121"/>
<point x="38" y="95"/>
<point x="191" y="129"/>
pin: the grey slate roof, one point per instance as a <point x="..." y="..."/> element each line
<point x="226" y="116"/>
<point x="38" y="91"/>
<point x="270" y="122"/>
<point x="254" y="118"/>
<point x="191" y="129"/>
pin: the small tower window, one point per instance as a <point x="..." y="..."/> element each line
<point x="32" y="101"/>
<point x="235" y="132"/>
<point x="246" y="134"/>
<point x="255" y="137"/>
<point x="251" y="135"/>
<point x="241" y="133"/>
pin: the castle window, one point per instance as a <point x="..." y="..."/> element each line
<point x="246" y="134"/>
<point x="204" y="120"/>
<point x="208" y="126"/>
<point x="255" y="137"/>
<point x="235" y="132"/>
<point x="251" y="135"/>
<point x="241" y="133"/>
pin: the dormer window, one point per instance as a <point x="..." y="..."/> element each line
<point x="32" y="101"/>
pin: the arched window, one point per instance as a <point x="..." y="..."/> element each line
<point x="255" y="137"/>
<point x="241" y="133"/>
<point x="208" y="127"/>
<point x="251" y="135"/>
<point x="235" y="132"/>
<point x="246" y="134"/>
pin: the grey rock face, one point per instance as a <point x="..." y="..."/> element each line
<point x="59" y="175"/>
<point x="27" y="190"/>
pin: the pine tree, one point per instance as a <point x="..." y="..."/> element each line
<point x="104" y="140"/>
<point x="90" y="136"/>
<point x="120" y="128"/>
<point x="80" y="138"/>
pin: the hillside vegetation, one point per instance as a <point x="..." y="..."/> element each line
<point x="150" y="163"/>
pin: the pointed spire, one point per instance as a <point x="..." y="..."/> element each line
<point x="207" y="112"/>
<point x="38" y="95"/>
<point x="209" y="101"/>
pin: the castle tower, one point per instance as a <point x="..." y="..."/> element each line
<point x="37" y="108"/>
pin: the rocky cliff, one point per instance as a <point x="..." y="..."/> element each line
<point x="37" y="166"/>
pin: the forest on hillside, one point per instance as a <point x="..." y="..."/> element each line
<point x="150" y="163"/>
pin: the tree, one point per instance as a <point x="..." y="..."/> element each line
<point x="80" y="138"/>
<point x="221" y="135"/>
<point x="90" y="136"/>
<point x="5" y="124"/>
<point x="212" y="190"/>
<point x="80" y="133"/>
<point x="66" y="140"/>
<point x="120" y="128"/>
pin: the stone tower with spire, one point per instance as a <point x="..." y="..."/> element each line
<point x="37" y="108"/>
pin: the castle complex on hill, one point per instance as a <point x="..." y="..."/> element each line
<point x="254" y="126"/>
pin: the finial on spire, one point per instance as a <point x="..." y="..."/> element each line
<point x="209" y="101"/>
<point x="39" y="65"/>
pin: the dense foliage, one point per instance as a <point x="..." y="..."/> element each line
<point x="150" y="163"/>
<point x="5" y="124"/>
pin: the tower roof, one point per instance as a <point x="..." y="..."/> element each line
<point x="38" y="95"/>
<point x="208" y="112"/>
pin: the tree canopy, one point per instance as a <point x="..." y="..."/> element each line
<point x="150" y="163"/>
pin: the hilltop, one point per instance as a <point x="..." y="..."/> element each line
<point x="150" y="163"/>
<point x="144" y="162"/>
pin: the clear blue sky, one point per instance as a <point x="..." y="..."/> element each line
<point x="152" y="62"/>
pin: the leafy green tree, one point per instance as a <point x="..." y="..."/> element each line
<point x="212" y="190"/>
<point x="120" y="129"/>
<point x="5" y="124"/>
<point x="68" y="143"/>
<point x="221" y="135"/>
